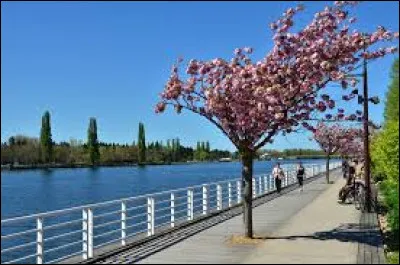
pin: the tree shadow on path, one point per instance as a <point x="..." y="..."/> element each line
<point x="352" y="232"/>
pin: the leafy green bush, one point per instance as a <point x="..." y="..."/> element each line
<point x="393" y="258"/>
<point x="385" y="152"/>
<point x="390" y="192"/>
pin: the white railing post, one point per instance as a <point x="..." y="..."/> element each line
<point x="239" y="191"/>
<point x="229" y="194"/>
<point x="123" y="223"/>
<point x="253" y="186"/>
<point x="287" y="177"/>
<point x="271" y="182"/>
<point x="84" y="234"/>
<point x="259" y="186"/>
<point x="172" y="209"/>
<point x="266" y="188"/>
<point x="90" y="233"/>
<point x="205" y="199"/>
<point x="190" y="204"/>
<point x="150" y="216"/>
<point x="219" y="197"/>
<point x="87" y="233"/>
<point x="39" y="240"/>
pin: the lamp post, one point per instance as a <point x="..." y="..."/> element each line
<point x="367" y="174"/>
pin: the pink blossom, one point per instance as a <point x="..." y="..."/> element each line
<point x="252" y="100"/>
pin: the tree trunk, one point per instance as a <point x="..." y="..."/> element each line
<point x="247" y="176"/>
<point x="327" y="168"/>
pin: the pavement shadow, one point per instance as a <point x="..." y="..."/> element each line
<point x="352" y="232"/>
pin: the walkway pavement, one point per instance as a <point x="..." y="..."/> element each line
<point x="317" y="234"/>
<point x="307" y="227"/>
<point x="300" y="227"/>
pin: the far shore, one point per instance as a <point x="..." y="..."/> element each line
<point x="9" y="167"/>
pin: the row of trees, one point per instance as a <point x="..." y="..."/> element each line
<point x="294" y="152"/>
<point x="32" y="151"/>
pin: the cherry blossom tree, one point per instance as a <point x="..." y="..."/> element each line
<point x="253" y="101"/>
<point x="337" y="139"/>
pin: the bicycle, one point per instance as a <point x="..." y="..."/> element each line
<point x="359" y="197"/>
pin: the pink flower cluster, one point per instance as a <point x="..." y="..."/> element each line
<point x="253" y="101"/>
<point x="343" y="140"/>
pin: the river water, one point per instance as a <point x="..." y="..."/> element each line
<point x="27" y="192"/>
<point x="32" y="191"/>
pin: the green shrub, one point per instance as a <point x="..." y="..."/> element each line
<point x="385" y="152"/>
<point x="393" y="258"/>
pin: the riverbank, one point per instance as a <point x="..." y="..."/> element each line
<point x="10" y="167"/>
<point x="54" y="166"/>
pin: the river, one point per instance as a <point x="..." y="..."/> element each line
<point x="32" y="191"/>
<point x="27" y="192"/>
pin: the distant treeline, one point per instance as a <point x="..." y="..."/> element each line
<point x="29" y="152"/>
<point x="32" y="151"/>
<point x="289" y="153"/>
<point x="26" y="151"/>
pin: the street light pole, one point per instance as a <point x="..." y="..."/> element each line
<point x="366" y="142"/>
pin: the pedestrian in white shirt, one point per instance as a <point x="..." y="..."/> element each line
<point x="278" y="175"/>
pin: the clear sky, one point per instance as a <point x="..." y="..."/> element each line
<point x="110" y="60"/>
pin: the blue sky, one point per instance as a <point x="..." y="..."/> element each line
<point x="110" y="60"/>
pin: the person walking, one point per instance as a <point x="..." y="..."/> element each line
<point x="300" y="175"/>
<point x="278" y="175"/>
<point x="345" y="168"/>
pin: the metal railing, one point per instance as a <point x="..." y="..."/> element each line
<point x="55" y="236"/>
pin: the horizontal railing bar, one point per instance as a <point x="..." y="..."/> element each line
<point x="107" y="243"/>
<point x="62" y="235"/>
<point x="181" y="211"/>
<point x="135" y="216"/>
<point x="65" y="257"/>
<point x="136" y="233"/>
<point x="135" y="225"/>
<point x="198" y="200"/>
<point x="162" y="224"/>
<point x="184" y="218"/>
<point x="136" y="207"/>
<point x="107" y="223"/>
<point x="180" y="197"/>
<point x="106" y="214"/>
<point x="19" y="259"/>
<point x="64" y="246"/>
<point x="49" y="227"/>
<point x="18" y="247"/>
<point x="160" y="202"/>
<point x="107" y="233"/>
<point x="180" y="204"/>
<point x="162" y="216"/>
<point x="162" y="209"/>
<point x="18" y="234"/>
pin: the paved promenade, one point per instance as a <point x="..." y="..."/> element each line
<point x="296" y="227"/>
<point x="319" y="233"/>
